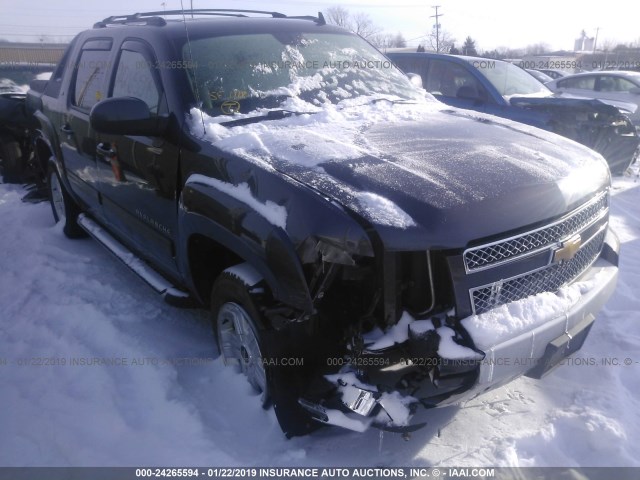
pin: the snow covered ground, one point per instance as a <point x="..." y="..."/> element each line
<point x="170" y="401"/>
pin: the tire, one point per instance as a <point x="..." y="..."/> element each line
<point x="64" y="209"/>
<point x="238" y="330"/>
<point x="11" y="156"/>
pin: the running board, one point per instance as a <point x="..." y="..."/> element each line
<point x="171" y="294"/>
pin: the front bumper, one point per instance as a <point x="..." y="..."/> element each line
<point x="532" y="352"/>
<point x="536" y="352"/>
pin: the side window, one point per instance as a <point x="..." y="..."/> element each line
<point x="134" y="79"/>
<point x="447" y="78"/>
<point x="413" y="65"/>
<point x="90" y="78"/>
<point x="583" y="83"/>
<point x="55" y="82"/>
<point x="614" y="84"/>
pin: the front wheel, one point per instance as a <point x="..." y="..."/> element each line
<point x="64" y="208"/>
<point x="238" y="329"/>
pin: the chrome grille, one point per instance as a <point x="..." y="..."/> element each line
<point x="547" y="279"/>
<point x="489" y="255"/>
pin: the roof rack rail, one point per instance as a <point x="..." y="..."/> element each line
<point x="156" y="18"/>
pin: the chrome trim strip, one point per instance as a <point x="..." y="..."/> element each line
<point x="575" y="212"/>
<point x="531" y="272"/>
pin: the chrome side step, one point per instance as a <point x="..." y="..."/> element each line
<point x="161" y="285"/>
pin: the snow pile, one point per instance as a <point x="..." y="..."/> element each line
<point x="383" y="211"/>
<point x="399" y="333"/>
<point x="508" y="321"/>
<point x="272" y="212"/>
<point x="395" y="407"/>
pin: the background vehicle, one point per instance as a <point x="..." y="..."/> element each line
<point x="17" y="124"/>
<point x="538" y="75"/>
<point x="502" y="89"/>
<point x="622" y="87"/>
<point x="14" y="132"/>
<point x="554" y="74"/>
<point x="340" y="224"/>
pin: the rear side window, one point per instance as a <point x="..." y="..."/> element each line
<point x="583" y="83"/>
<point x="614" y="84"/>
<point x="135" y="79"/>
<point x="55" y="82"/>
<point x="90" y="81"/>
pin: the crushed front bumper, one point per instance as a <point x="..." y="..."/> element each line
<point x="532" y="352"/>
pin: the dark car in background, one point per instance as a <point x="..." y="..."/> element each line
<point x="17" y="124"/>
<point x="505" y="90"/>
<point x="14" y="131"/>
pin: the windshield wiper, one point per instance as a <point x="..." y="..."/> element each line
<point x="395" y="102"/>
<point x="271" y="115"/>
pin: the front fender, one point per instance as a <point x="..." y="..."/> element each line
<point x="236" y="226"/>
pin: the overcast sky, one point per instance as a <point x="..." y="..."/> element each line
<point x="490" y="23"/>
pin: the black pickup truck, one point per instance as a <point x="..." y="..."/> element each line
<point x="354" y="239"/>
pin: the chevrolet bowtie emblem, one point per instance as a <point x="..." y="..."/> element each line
<point x="567" y="249"/>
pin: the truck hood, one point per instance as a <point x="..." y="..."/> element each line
<point x="625" y="107"/>
<point x="441" y="180"/>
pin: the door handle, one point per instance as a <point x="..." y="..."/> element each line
<point x="104" y="150"/>
<point x="66" y="129"/>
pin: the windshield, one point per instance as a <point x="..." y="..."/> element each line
<point x="242" y="73"/>
<point x="510" y="80"/>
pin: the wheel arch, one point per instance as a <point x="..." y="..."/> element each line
<point x="210" y="248"/>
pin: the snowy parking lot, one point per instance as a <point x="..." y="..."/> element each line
<point x="166" y="399"/>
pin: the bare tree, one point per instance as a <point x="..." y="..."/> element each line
<point x="607" y="44"/>
<point x="363" y="25"/>
<point x="338" y="16"/>
<point x="387" y="40"/>
<point x="443" y="44"/>
<point x="358" y="22"/>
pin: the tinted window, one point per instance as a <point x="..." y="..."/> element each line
<point x="614" y="84"/>
<point x="90" y="78"/>
<point x="584" y="83"/>
<point x="134" y="79"/>
<point x="413" y="65"/>
<point x="446" y="78"/>
<point x="510" y="80"/>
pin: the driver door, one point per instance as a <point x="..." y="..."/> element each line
<point x="138" y="173"/>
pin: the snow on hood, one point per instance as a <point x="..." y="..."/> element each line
<point x="415" y="157"/>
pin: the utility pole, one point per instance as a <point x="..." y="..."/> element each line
<point x="595" y="41"/>
<point x="437" y="16"/>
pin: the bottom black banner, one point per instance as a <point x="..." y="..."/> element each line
<point x="251" y="473"/>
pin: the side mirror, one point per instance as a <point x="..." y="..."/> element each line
<point x="125" y="116"/>
<point x="415" y="79"/>
<point x="38" y="85"/>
